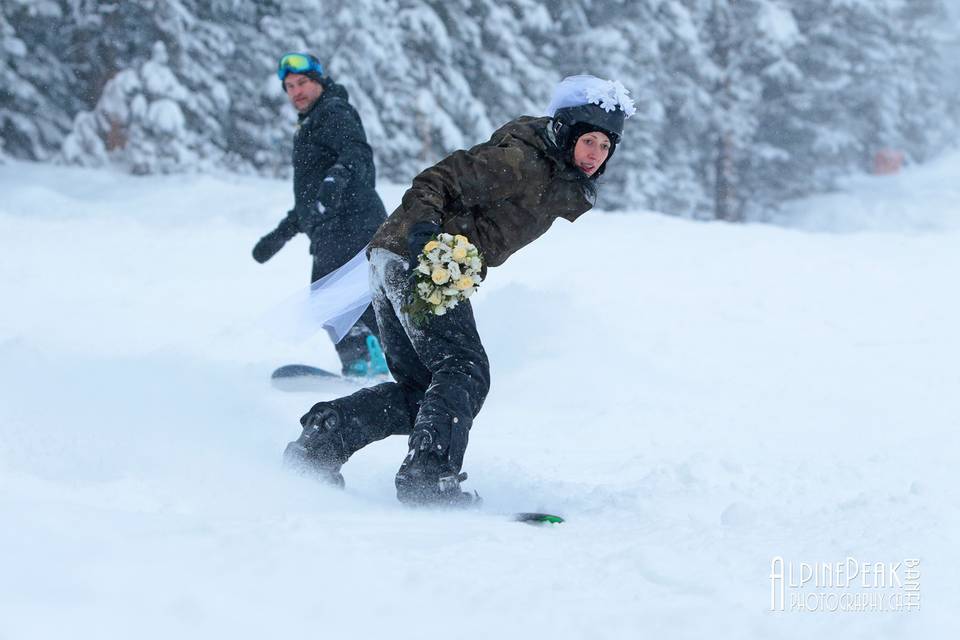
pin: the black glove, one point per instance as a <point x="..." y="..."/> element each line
<point x="420" y="234"/>
<point x="268" y="247"/>
<point x="307" y="218"/>
<point x="333" y="187"/>
<point x="270" y="244"/>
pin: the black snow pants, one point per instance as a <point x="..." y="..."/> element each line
<point x="441" y="371"/>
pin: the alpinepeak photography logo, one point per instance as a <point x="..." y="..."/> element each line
<point x="848" y="585"/>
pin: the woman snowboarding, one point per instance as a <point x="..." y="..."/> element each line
<point x="500" y="195"/>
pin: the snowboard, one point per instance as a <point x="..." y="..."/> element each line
<point x="303" y="377"/>
<point x="537" y="518"/>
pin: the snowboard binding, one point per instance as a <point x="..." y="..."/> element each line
<point x="425" y="478"/>
<point x="320" y="449"/>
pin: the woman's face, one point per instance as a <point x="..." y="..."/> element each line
<point x="591" y="152"/>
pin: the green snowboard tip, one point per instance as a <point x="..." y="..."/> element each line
<point x="538" y="518"/>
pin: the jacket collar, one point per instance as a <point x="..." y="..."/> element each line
<point x="331" y="91"/>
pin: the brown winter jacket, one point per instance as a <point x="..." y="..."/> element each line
<point x="501" y="194"/>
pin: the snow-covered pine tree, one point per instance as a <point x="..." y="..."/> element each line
<point x="431" y="76"/>
<point x="202" y="93"/>
<point x="515" y="63"/>
<point x="395" y="58"/>
<point x="253" y="125"/>
<point x="775" y="98"/>
<point x="927" y="116"/>
<point x="147" y="117"/>
<point x="723" y="54"/>
<point x="686" y="106"/>
<point x="845" y="64"/>
<point x="37" y="87"/>
<point x="866" y="80"/>
<point x="773" y="39"/>
<point x="103" y="39"/>
<point x="622" y="40"/>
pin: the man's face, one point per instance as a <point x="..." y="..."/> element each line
<point x="302" y="91"/>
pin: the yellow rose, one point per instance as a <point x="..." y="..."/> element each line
<point x="435" y="298"/>
<point x="440" y="276"/>
<point x="430" y="246"/>
<point x="460" y="239"/>
<point x="465" y="282"/>
<point x="459" y="253"/>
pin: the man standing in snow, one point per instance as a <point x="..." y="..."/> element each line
<point x="501" y="195"/>
<point x="335" y="202"/>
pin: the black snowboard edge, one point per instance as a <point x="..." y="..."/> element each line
<point x="301" y="371"/>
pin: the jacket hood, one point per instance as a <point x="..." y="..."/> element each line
<point x="535" y="132"/>
<point x="331" y="91"/>
<point x="538" y="133"/>
<point x="527" y="129"/>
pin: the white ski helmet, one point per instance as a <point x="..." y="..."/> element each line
<point x="589" y="100"/>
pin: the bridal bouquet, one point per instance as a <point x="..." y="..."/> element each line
<point x="447" y="272"/>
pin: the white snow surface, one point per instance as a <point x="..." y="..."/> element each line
<point x="695" y="398"/>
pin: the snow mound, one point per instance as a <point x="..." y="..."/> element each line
<point x="920" y="199"/>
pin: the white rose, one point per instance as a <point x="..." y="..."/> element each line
<point x="440" y="275"/>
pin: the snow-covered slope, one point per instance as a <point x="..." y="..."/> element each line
<point x="695" y="398"/>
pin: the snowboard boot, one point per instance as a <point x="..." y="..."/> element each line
<point x="378" y="359"/>
<point x="320" y="449"/>
<point x="426" y="479"/>
<point x="373" y="366"/>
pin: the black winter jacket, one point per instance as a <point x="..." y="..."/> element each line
<point x="330" y="140"/>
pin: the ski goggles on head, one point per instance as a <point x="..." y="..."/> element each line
<point x="298" y="63"/>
